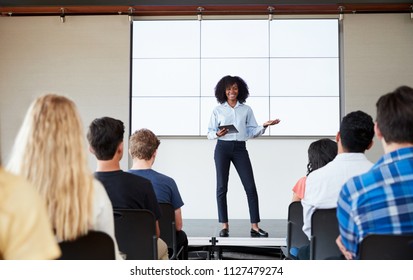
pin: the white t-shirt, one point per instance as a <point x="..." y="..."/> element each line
<point x="324" y="184"/>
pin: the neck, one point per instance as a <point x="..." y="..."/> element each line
<point x="232" y="103"/>
<point x="391" y="147"/>
<point x="107" y="165"/>
<point x="340" y="148"/>
<point x="141" y="164"/>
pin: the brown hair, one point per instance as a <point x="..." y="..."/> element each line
<point x="395" y="115"/>
<point x="143" y="143"/>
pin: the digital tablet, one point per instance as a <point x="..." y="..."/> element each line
<point x="231" y="128"/>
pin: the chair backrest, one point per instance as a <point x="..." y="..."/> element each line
<point x="168" y="229"/>
<point x="295" y="235"/>
<point x="135" y="231"/>
<point x="324" y="232"/>
<point x="386" y="247"/>
<point x="96" y="245"/>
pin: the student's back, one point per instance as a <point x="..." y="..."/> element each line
<point x="25" y="229"/>
<point x="50" y="153"/>
<point x="164" y="186"/>
<point x="143" y="148"/>
<point x="323" y="185"/>
<point x="128" y="191"/>
<point x="320" y="153"/>
<point x="381" y="200"/>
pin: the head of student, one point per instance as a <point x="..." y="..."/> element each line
<point x="50" y="152"/>
<point x="394" y="118"/>
<point x="320" y="153"/>
<point x="356" y="132"/>
<point x="228" y="82"/>
<point x="143" y="144"/>
<point x="105" y="136"/>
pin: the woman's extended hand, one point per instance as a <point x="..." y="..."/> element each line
<point x="271" y="122"/>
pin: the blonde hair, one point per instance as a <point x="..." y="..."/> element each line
<point x="50" y="153"/>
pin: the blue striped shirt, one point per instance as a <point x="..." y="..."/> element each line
<point x="241" y="116"/>
<point x="379" y="201"/>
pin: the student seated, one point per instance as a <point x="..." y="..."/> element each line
<point x="50" y="153"/>
<point x="324" y="184"/>
<point x="143" y="148"/>
<point x="320" y="153"/>
<point x="25" y="229"/>
<point x="126" y="191"/>
<point x="381" y="200"/>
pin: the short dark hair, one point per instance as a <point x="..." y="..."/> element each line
<point x="227" y="82"/>
<point x="395" y="115"/>
<point x="356" y="132"/>
<point x="104" y="136"/>
<point x="320" y="153"/>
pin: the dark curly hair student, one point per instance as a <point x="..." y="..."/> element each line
<point x="320" y="152"/>
<point x="231" y="93"/>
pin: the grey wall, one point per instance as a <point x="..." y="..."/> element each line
<point x="87" y="59"/>
<point x="378" y="57"/>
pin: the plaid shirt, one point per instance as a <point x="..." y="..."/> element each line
<point x="379" y="201"/>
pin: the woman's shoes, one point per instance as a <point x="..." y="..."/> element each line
<point x="224" y="232"/>
<point x="259" y="233"/>
<point x="254" y="233"/>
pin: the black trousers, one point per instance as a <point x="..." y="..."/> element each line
<point x="235" y="152"/>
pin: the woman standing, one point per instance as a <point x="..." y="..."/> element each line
<point x="232" y="92"/>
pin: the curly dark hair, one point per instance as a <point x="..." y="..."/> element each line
<point x="320" y="153"/>
<point x="227" y="82"/>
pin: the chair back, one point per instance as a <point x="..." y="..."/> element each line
<point x="386" y="247"/>
<point x="324" y="232"/>
<point x="168" y="229"/>
<point x="295" y="235"/>
<point x="135" y="231"/>
<point x="95" y="245"/>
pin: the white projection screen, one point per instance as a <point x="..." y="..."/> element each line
<point x="290" y="65"/>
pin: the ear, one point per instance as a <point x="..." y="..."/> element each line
<point x="377" y="131"/>
<point x="120" y="148"/>
<point x="91" y="150"/>
<point x="338" y="136"/>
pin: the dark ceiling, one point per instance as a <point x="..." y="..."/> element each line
<point x="190" y="7"/>
<point x="11" y="3"/>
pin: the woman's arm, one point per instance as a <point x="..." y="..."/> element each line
<point x="271" y="122"/>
